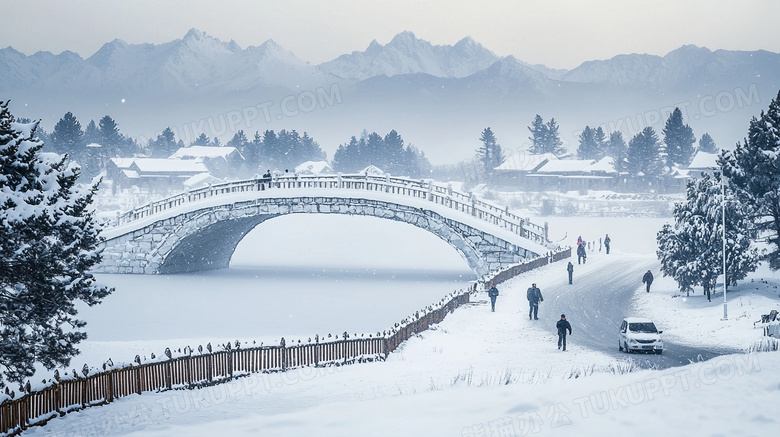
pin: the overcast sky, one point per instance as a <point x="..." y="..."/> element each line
<point x="557" y="33"/>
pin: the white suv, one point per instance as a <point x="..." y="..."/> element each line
<point x="639" y="335"/>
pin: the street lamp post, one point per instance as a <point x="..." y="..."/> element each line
<point x="723" y="213"/>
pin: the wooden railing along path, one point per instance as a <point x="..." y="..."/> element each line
<point x="421" y="189"/>
<point x="187" y="369"/>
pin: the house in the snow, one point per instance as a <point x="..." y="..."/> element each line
<point x="573" y="175"/>
<point x="703" y="162"/>
<point x="372" y="170"/>
<point x="154" y="174"/>
<point x="513" y="171"/>
<point x="221" y="162"/>
<point x="314" y="168"/>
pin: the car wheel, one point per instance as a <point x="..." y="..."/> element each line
<point x="625" y="348"/>
<point x="659" y="352"/>
<point x="620" y="347"/>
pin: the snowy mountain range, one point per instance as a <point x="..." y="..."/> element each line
<point x="440" y="93"/>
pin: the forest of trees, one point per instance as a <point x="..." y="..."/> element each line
<point x="387" y="153"/>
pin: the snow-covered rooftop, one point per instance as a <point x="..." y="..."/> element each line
<point x="201" y="180"/>
<point x="314" y="167"/>
<point x="123" y="162"/>
<point x="194" y="152"/>
<point x="525" y="162"/>
<point x="372" y="170"/>
<point x="704" y="161"/>
<point x="566" y="166"/>
<point x="155" y="165"/>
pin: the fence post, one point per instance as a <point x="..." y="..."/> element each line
<point x="229" y="363"/>
<point x="167" y="369"/>
<point x="316" y="350"/>
<point x="345" y="346"/>
<point x="284" y="355"/>
<point x="138" y="375"/>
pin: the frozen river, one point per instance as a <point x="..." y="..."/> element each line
<point x="293" y="277"/>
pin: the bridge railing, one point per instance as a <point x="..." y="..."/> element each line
<point x="428" y="190"/>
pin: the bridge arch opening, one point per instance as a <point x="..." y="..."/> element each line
<point x="340" y="242"/>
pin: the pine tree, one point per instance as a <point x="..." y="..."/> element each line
<point x="643" y="155"/>
<point x="617" y="149"/>
<point x="552" y="139"/>
<point x="753" y="170"/>
<point x="588" y="148"/>
<point x="67" y="136"/>
<point x="202" y="140"/>
<point x="345" y="159"/>
<point x="48" y="243"/>
<point x="679" y="140"/>
<point x="165" y="145"/>
<point x="91" y="133"/>
<point x="110" y="138"/>
<point x="601" y="142"/>
<point x="538" y="135"/>
<point x="707" y="144"/>
<point x="490" y="153"/>
<point x="394" y="159"/>
<point x="691" y="251"/>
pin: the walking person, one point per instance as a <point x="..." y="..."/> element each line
<point x="581" y="254"/>
<point x="534" y="296"/>
<point x="493" y="293"/>
<point x="570" y="269"/>
<point x="648" y="279"/>
<point x="607" y="240"/>
<point x="563" y="325"/>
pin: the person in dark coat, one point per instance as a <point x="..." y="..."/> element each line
<point x="648" y="279"/>
<point x="534" y="296"/>
<point x="607" y="240"/>
<point x="562" y="326"/>
<point x="493" y="293"/>
<point x="570" y="269"/>
<point x="581" y="255"/>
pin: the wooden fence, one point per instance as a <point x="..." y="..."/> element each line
<point x="190" y="369"/>
<point x="517" y="269"/>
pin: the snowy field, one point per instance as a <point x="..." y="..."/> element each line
<point x="476" y="374"/>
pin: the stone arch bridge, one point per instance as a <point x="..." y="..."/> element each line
<point x="200" y="229"/>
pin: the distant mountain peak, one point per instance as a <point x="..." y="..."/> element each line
<point x="195" y="34"/>
<point x="405" y="36"/>
<point x="407" y="54"/>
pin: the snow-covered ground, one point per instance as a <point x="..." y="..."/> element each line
<point x="477" y="373"/>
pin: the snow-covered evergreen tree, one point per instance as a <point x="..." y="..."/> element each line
<point x="691" y="250"/>
<point x="707" y="144"/>
<point x="679" y="140"/>
<point x="165" y="145"/>
<point x="616" y="148"/>
<point x="48" y="243"/>
<point x="67" y="136"/>
<point x="91" y="133"/>
<point x="601" y="142"/>
<point x="202" y="140"/>
<point x="753" y="170"/>
<point x="589" y="147"/>
<point x="643" y="154"/>
<point x="552" y="139"/>
<point x="538" y="135"/>
<point x="489" y="153"/>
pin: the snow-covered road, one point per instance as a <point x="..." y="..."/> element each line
<point x="602" y="294"/>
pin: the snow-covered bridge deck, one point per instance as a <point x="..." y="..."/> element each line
<point x="199" y="230"/>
